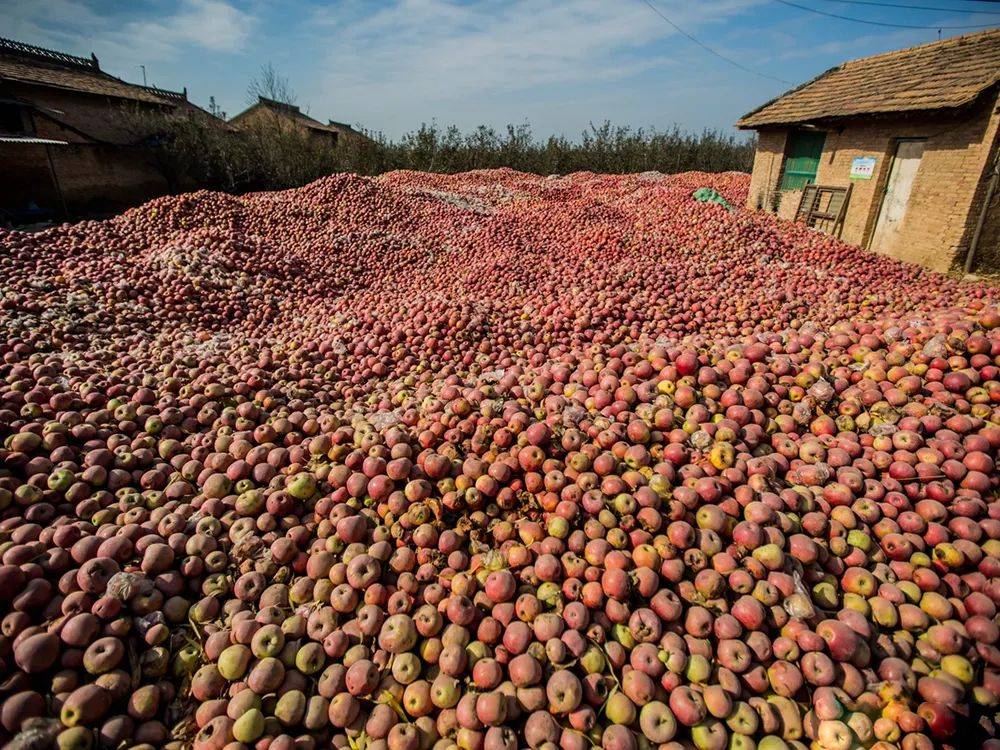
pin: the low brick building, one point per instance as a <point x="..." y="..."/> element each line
<point x="268" y="113"/>
<point x="913" y="133"/>
<point x="65" y="143"/>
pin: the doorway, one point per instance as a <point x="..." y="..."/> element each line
<point x="802" y="154"/>
<point x="902" y="172"/>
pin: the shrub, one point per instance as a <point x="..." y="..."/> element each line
<point x="195" y="150"/>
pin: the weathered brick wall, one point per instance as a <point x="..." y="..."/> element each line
<point x="101" y="118"/>
<point x="106" y="177"/>
<point x="987" y="258"/>
<point x="766" y="168"/>
<point x="941" y="208"/>
<point x="933" y="232"/>
<point x="788" y="203"/>
<point x="92" y="176"/>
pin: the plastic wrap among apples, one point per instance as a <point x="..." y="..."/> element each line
<point x="492" y="461"/>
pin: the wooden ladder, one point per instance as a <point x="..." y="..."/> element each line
<point x="823" y="207"/>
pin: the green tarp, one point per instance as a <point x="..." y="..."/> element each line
<point x="708" y="195"/>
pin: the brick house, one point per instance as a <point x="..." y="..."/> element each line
<point x="268" y="113"/>
<point x="914" y="133"/>
<point x="65" y="145"/>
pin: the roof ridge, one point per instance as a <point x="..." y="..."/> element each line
<point x="51" y="55"/>
<point x="278" y="104"/>
<point x="41" y="70"/>
<point x="165" y="93"/>
<point x="309" y="117"/>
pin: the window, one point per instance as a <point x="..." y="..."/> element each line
<point x="11" y="118"/>
<point x="802" y="154"/>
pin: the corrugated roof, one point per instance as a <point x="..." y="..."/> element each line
<point x="942" y="75"/>
<point x="28" y="64"/>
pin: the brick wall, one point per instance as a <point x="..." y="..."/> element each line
<point x="988" y="252"/>
<point x="94" y="177"/>
<point x="99" y="117"/>
<point x="788" y="204"/>
<point x="933" y="232"/>
<point x="936" y="228"/>
<point x="105" y="177"/>
<point x="766" y="168"/>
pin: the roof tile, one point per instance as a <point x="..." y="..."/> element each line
<point x="292" y="112"/>
<point x="27" y="64"/>
<point x="943" y="75"/>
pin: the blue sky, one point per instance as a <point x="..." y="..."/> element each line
<point x="389" y="65"/>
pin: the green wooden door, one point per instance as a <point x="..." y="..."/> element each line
<point x="805" y="147"/>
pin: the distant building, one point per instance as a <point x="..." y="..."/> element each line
<point x="267" y="112"/>
<point x="913" y="133"/>
<point x="64" y="144"/>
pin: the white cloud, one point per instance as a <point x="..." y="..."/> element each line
<point x="212" y="25"/>
<point x="51" y="23"/>
<point x="391" y="64"/>
<point x="413" y="54"/>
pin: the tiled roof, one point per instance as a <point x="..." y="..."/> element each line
<point x="943" y="75"/>
<point x="172" y="96"/>
<point x="291" y="111"/>
<point x="28" y="64"/>
<point x="343" y="126"/>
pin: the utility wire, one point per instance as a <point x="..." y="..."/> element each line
<point x="705" y="47"/>
<point x="882" y="23"/>
<point x="918" y="7"/>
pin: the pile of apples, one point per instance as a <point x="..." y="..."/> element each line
<point x="492" y="461"/>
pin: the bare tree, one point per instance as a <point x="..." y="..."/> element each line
<point x="271" y="85"/>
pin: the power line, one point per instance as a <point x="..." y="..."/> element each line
<point x="705" y="47"/>
<point x="882" y="23"/>
<point x="918" y="7"/>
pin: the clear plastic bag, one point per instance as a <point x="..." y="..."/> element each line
<point x="125" y="586"/>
